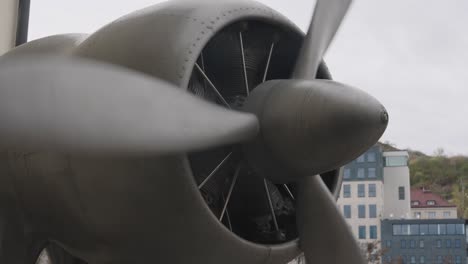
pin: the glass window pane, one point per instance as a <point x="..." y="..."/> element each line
<point x="423" y="229"/>
<point x="403" y="243"/>
<point x="459" y="229"/>
<point x="388" y="243"/>
<point x="396" y="229"/>
<point x="442" y="229"/>
<point x="360" y="158"/>
<point x="371" y="173"/>
<point x="371" y="157"/>
<point x="421" y="243"/>
<point x="457" y="243"/>
<point x="347" y="211"/>
<point x="396" y="161"/>
<point x="414" y="229"/>
<point x="346" y="190"/>
<point x="448" y="243"/>
<point x="372" y="190"/>
<point x="450" y="229"/>
<point x="433" y="229"/>
<point x="361" y="190"/>
<point x="347" y="173"/>
<point x="360" y="173"/>
<point x="361" y="211"/>
<point x="373" y="232"/>
<point x="401" y="193"/>
<point x="362" y="232"/>
<point x="405" y="229"/>
<point x="372" y="211"/>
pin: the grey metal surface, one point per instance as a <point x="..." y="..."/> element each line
<point x="311" y="127"/>
<point x="56" y="44"/>
<point x="166" y="39"/>
<point x="323" y="232"/>
<point x="327" y="18"/>
<point x="79" y="106"/>
<point x="128" y="209"/>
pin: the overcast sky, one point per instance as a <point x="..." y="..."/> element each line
<point x="412" y="55"/>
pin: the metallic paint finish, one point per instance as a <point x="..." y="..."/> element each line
<point x="56" y="44"/>
<point x="133" y="209"/>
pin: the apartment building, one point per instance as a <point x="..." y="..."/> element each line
<point x="438" y="241"/>
<point x="428" y="205"/>
<point x="396" y="177"/>
<point x="361" y="197"/>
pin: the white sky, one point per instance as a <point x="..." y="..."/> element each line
<point x="411" y="55"/>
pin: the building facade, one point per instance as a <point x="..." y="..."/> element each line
<point x="361" y="197"/>
<point x="397" y="185"/>
<point x="428" y="205"/>
<point x="424" y="241"/>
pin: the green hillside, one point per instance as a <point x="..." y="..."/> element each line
<point x="440" y="173"/>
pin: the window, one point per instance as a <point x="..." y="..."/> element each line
<point x="371" y="173"/>
<point x="431" y="202"/>
<point x="439" y="259"/>
<point x="457" y="243"/>
<point x="360" y="158"/>
<point x="442" y="229"/>
<point x="422" y="259"/>
<point x="362" y="232"/>
<point x="439" y="243"/>
<point x="421" y="243"/>
<point x="347" y="173"/>
<point x="448" y="243"/>
<point x="401" y="193"/>
<point x="431" y="215"/>
<point x="396" y="161"/>
<point x="415" y="203"/>
<point x="361" y="190"/>
<point x="412" y="244"/>
<point x="459" y="229"/>
<point x="347" y="211"/>
<point x="397" y="230"/>
<point x="373" y="232"/>
<point x="423" y="229"/>
<point x="450" y="229"/>
<point x="417" y="215"/>
<point x="372" y="190"/>
<point x="405" y="229"/>
<point x="361" y="211"/>
<point x="458" y="260"/>
<point x="432" y="229"/>
<point x="360" y="173"/>
<point x="413" y="259"/>
<point x="372" y="211"/>
<point x="388" y="243"/>
<point x="447" y="214"/>
<point x="414" y="229"/>
<point x="346" y="190"/>
<point x="403" y="243"/>
<point x="371" y="157"/>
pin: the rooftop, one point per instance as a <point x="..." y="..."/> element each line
<point x="423" y="198"/>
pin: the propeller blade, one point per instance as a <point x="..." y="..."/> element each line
<point x="324" y="235"/>
<point x="77" y="105"/>
<point x="310" y="127"/>
<point x="326" y="19"/>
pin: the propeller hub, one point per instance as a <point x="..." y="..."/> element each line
<point x="311" y="126"/>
